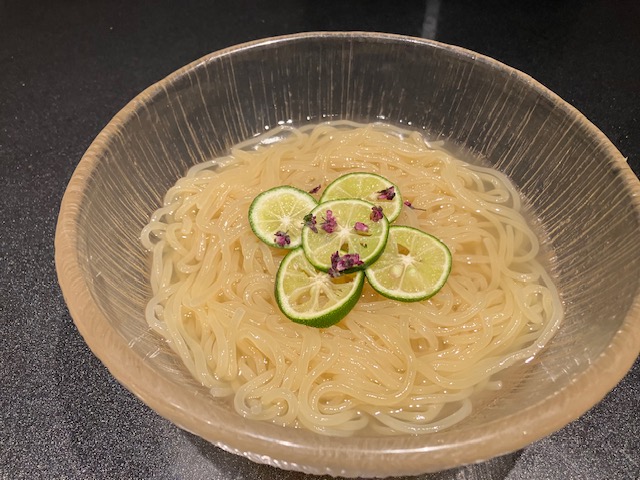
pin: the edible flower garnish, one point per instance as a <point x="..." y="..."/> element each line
<point x="387" y="193"/>
<point x="376" y="214"/>
<point x="314" y="190"/>
<point x="282" y="238"/>
<point x="310" y="221"/>
<point x="361" y="227"/>
<point x="340" y="263"/>
<point x="407" y="203"/>
<point x="330" y="224"/>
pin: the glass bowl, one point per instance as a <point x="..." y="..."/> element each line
<point x="579" y="186"/>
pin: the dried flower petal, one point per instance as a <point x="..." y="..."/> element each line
<point x="376" y="214"/>
<point x="340" y="263"/>
<point x="361" y="227"/>
<point x="330" y="224"/>
<point x="335" y="258"/>
<point x="282" y="238"/>
<point x="387" y="193"/>
<point x="314" y="190"/>
<point x="310" y="221"/>
<point x="349" y="260"/>
<point x="410" y="205"/>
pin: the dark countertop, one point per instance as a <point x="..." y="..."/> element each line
<point x="67" y="67"/>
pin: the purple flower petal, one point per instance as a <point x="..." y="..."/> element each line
<point x="340" y="263"/>
<point x="387" y="193"/>
<point x="361" y="227"/>
<point x="310" y="221"/>
<point x="282" y="238"/>
<point x="330" y="224"/>
<point x="376" y="214"/>
<point x="410" y="205"/>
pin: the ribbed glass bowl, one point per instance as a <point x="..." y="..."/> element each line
<point x="578" y="184"/>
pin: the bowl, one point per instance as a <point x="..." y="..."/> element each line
<point x="578" y="184"/>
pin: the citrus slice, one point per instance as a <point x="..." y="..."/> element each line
<point x="366" y="186"/>
<point x="277" y="215"/>
<point x="344" y="228"/>
<point x="414" y="265"/>
<point x="314" y="298"/>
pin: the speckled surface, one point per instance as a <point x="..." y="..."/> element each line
<point x="65" y="70"/>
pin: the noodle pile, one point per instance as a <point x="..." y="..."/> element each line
<point x="388" y="367"/>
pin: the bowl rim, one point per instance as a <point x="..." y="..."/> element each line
<point x="285" y="448"/>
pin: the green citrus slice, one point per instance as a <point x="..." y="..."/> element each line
<point x="414" y="265"/>
<point x="277" y="215"/>
<point x="308" y="296"/>
<point x="345" y="227"/>
<point x="366" y="186"/>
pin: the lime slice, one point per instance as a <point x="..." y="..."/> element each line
<point x="414" y="265"/>
<point x="277" y="215"/>
<point x="366" y="186"/>
<point x="352" y="232"/>
<point x="314" y="298"/>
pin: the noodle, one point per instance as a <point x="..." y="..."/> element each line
<point x="388" y="367"/>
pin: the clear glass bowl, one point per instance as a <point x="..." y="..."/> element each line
<point x="579" y="185"/>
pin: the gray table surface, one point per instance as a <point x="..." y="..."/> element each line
<point x="67" y="67"/>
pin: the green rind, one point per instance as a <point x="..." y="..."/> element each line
<point x="268" y="237"/>
<point x="326" y="318"/>
<point x="375" y="284"/>
<point x="307" y="232"/>
<point x="328" y="194"/>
